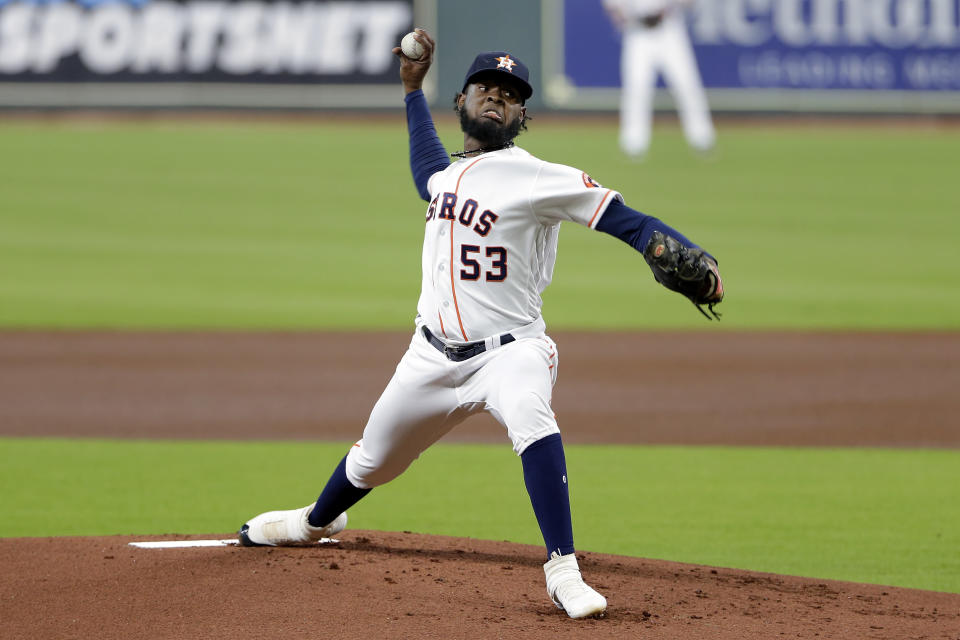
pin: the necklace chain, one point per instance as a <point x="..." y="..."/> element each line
<point x="464" y="154"/>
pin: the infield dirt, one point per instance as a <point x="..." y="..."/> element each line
<point x="792" y="389"/>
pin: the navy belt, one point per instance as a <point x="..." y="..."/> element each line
<point x="463" y="352"/>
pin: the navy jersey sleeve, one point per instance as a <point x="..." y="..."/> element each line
<point x="635" y="228"/>
<point x="427" y="154"/>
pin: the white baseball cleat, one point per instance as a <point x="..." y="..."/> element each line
<point x="275" y="528"/>
<point x="569" y="592"/>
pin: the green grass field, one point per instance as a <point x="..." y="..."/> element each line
<point x="888" y="517"/>
<point x="316" y="226"/>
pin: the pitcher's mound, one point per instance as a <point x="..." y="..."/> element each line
<point x="402" y="585"/>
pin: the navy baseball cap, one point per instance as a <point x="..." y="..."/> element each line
<point x="501" y="62"/>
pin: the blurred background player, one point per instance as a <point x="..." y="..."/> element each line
<point x="655" y="41"/>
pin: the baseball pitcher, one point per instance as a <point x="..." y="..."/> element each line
<point x="490" y="242"/>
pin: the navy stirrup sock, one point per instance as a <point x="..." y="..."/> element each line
<point x="338" y="496"/>
<point x="545" y="474"/>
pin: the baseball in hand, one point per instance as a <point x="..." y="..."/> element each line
<point x="410" y="47"/>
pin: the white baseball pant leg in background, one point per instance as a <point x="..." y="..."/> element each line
<point x="638" y="76"/>
<point x="429" y="395"/>
<point x="683" y="79"/>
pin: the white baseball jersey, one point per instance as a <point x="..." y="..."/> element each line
<point x="491" y="241"/>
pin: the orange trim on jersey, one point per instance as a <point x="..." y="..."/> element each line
<point x="453" y="288"/>
<point x="599" y="206"/>
<point x="442" y="330"/>
<point x="552" y="352"/>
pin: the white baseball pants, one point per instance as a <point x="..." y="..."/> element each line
<point x="429" y="395"/>
<point x="665" y="48"/>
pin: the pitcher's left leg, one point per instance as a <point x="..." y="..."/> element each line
<point x="519" y="391"/>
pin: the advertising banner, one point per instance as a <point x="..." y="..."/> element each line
<point x="900" y="55"/>
<point x="202" y="44"/>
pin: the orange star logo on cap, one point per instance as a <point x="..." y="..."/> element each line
<point x="505" y="63"/>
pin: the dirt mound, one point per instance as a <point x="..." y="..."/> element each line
<point x="403" y="585"/>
